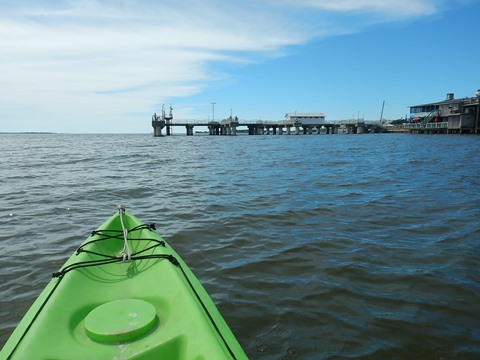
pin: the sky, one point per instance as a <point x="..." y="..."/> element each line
<point x="105" y="66"/>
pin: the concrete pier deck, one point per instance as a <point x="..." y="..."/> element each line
<point x="229" y="127"/>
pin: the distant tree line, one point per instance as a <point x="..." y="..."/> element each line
<point x="398" y="122"/>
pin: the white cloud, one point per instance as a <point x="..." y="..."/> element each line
<point x="393" y="8"/>
<point x="90" y="57"/>
<point x="104" y="59"/>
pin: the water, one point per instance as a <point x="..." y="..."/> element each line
<point x="312" y="246"/>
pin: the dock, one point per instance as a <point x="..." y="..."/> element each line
<point x="230" y="127"/>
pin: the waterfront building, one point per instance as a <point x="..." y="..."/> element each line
<point x="447" y="116"/>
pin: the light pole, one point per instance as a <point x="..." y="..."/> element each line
<point x="213" y="110"/>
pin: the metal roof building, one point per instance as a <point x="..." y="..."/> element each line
<point x="305" y="118"/>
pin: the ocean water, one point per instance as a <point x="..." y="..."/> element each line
<point x="312" y="246"/>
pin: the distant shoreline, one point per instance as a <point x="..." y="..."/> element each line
<point x="26" y="132"/>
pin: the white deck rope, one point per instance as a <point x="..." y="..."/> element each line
<point x="126" y="253"/>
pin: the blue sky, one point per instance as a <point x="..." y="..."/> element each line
<point x="106" y="66"/>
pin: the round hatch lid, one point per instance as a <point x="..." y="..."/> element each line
<point x="120" y="320"/>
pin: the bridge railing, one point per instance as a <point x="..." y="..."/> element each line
<point x="269" y="122"/>
<point x="437" y="125"/>
<point x="433" y="125"/>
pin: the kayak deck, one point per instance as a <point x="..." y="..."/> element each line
<point x="123" y="295"/>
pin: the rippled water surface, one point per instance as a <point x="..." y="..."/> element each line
<point x="312" y="246"/>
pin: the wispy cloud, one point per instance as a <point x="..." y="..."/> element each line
<point x="102" y="59"/>
<point x="391" y="8"/>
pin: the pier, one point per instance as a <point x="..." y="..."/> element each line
<point x="229" y="127"/>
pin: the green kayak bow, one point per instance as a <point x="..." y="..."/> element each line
<point x="124" y="294"/>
